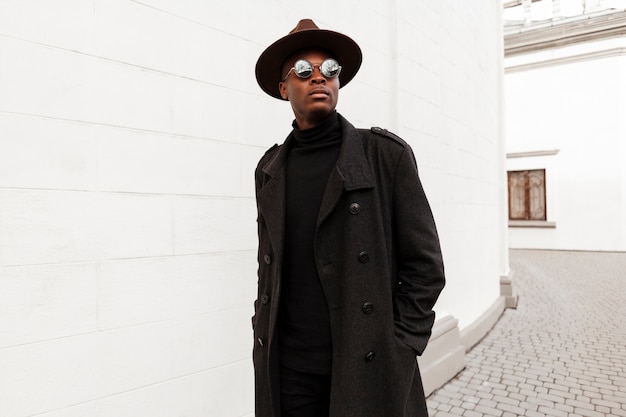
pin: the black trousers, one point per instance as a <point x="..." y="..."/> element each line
<point x="303" y="394"/>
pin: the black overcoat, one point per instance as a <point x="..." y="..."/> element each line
<point x="379" y="261"/>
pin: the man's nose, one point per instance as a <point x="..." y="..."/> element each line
<point x="318" y="78"/>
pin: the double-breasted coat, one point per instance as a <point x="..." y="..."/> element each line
<point x="379" y="261"/>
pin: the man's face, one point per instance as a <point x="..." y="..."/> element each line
<point x="312" y="99"/>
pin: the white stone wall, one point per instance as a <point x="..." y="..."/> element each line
<point x="449" y="109"/>
<point x="129" y="132"/>
<point x="572" y="100"/>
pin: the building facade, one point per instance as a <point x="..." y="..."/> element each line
<point x="565" y="89"/>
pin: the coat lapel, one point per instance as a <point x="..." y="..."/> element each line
<point x="271" y="198"/>
<point x="351" y="172"/>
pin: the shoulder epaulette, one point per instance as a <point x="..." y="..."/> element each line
<point x="271" y="149"/>
<point x="388" y="134"/>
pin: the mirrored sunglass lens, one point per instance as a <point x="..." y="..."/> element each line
<point x="330" y="68"/>
<point x="303" y="69"/>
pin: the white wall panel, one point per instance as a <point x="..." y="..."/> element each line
<point x="146" y="162"/>
<point x="141" y="291"/>
<point x="68" y="371"/>
<point x="157" y="39"/>
<point x="128" y="96"/>
<point x="45" y="81"/>
<point x="84" y="88"/>
<point x="52" y="227"/>
<point x="65" y="23"/>
<point x="199" y="225"/>
<point x="47" y="302"/>
<point x="46" y="153"/>
<point x="223" y="19"/>
<point x="204" y="394"/>
<point x="48" y="376"/>
<point x="81" y="410"/>
<point x="138" y="356"/>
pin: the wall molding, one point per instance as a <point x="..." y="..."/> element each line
<point x="532" y="223"/>
<point x="588" y="56"/>
<point x="444" y="356"/>
<point x="475" y="332"/>
<point x="528" y="154"/>
<point x="557" y="33"/>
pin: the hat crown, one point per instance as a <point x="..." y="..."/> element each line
<point x="304" y="24"/>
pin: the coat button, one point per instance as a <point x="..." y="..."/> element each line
<point x="364" y="257"/>
<point x="265" y="299"/>
<point x="370" y="357"/>
<point x="368" y="308"/>
<point x="355" y="208"/>
<point x="267" y="259"/>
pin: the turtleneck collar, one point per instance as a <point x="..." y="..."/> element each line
<point x="327" y="131"/>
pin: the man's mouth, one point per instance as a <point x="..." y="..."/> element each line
<point x="317" y="91"/>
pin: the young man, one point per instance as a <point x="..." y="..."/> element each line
<point x="349" y="259"/>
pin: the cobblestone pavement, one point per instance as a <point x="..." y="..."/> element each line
<point x="562" y="352"/>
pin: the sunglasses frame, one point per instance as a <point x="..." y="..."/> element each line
<point x="320" y="66"/>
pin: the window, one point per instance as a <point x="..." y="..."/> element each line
<point x="527" y="195"/>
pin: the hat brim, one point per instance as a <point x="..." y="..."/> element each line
<point x="344" y="49"/>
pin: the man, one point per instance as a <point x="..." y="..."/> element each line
<point x="349" y="259"/>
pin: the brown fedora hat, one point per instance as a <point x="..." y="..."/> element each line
<point x="306" y="35"/>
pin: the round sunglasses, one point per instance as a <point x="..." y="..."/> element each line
<point x="304" y="69"/>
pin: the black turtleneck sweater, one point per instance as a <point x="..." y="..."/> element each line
<point x="303" y="326"/>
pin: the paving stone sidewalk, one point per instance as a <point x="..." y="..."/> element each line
<point x="562" y="352"/>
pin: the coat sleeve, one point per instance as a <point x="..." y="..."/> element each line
<point x="418" y="259"/>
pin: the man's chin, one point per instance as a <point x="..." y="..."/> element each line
<point x="321" y="110"/>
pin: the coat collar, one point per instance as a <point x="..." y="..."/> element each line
<point x="351" y="172"/>
<point x="352" y="166"/>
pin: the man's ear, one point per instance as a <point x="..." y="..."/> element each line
<point x="282" y="87"/>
